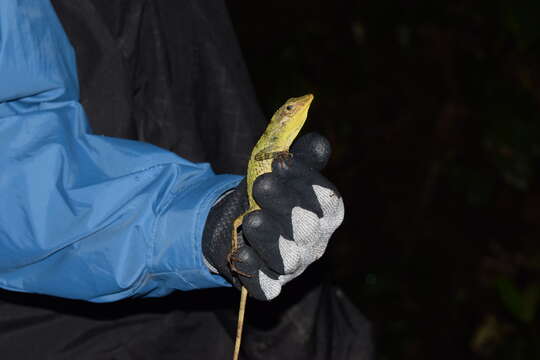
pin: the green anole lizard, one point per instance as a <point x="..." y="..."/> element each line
<point x="274" y="143"/>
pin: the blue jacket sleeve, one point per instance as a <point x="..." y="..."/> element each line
<point x="85" y="216"/>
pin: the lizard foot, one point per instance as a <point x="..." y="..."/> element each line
<point x="282" y="157"/>
<point x="232" y="259"/>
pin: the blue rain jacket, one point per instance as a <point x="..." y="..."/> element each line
<point x="85" y="216"/>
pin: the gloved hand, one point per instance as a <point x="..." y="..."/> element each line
<point x="300" y="209"/>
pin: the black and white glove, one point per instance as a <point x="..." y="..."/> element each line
<point x="300" y="209"/>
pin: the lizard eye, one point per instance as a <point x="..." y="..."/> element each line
<point x="289" y="107"/>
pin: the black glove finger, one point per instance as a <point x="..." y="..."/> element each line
<point x="247" y="262"/>
<point x="272" y="195"/>
<point x="313" y="150"/>
<point x="265" y="235"/>
<point x="297" y="177"/>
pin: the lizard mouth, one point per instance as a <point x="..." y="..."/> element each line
<point x="295" y="123"/>
<point x="305" y="100"/>
<point x="305" y="103"/>
<point x="302" y="104"/>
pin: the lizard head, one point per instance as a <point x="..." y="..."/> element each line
<point x="289" y="119"/>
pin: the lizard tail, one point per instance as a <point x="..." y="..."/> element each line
<point x="240" y="326"/>
<point x="243" y="295"/>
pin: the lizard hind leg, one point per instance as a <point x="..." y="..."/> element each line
<point x="233" y="257"/>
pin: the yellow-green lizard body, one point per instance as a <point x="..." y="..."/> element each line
<point x="274" y="143"/>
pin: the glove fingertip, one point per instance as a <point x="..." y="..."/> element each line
<point x="313" y="149"/>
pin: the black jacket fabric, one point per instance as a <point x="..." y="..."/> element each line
<point x="171" y="73"/>
<point x="166" y="72"/>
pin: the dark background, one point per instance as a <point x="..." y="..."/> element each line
<point x="432" y="108"/>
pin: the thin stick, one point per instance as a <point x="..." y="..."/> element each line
<point x="240" y="324"/>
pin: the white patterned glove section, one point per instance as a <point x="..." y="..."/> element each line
<point x="310" y="238"/>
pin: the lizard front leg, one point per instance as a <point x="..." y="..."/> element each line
<point x="280" y="155"/>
